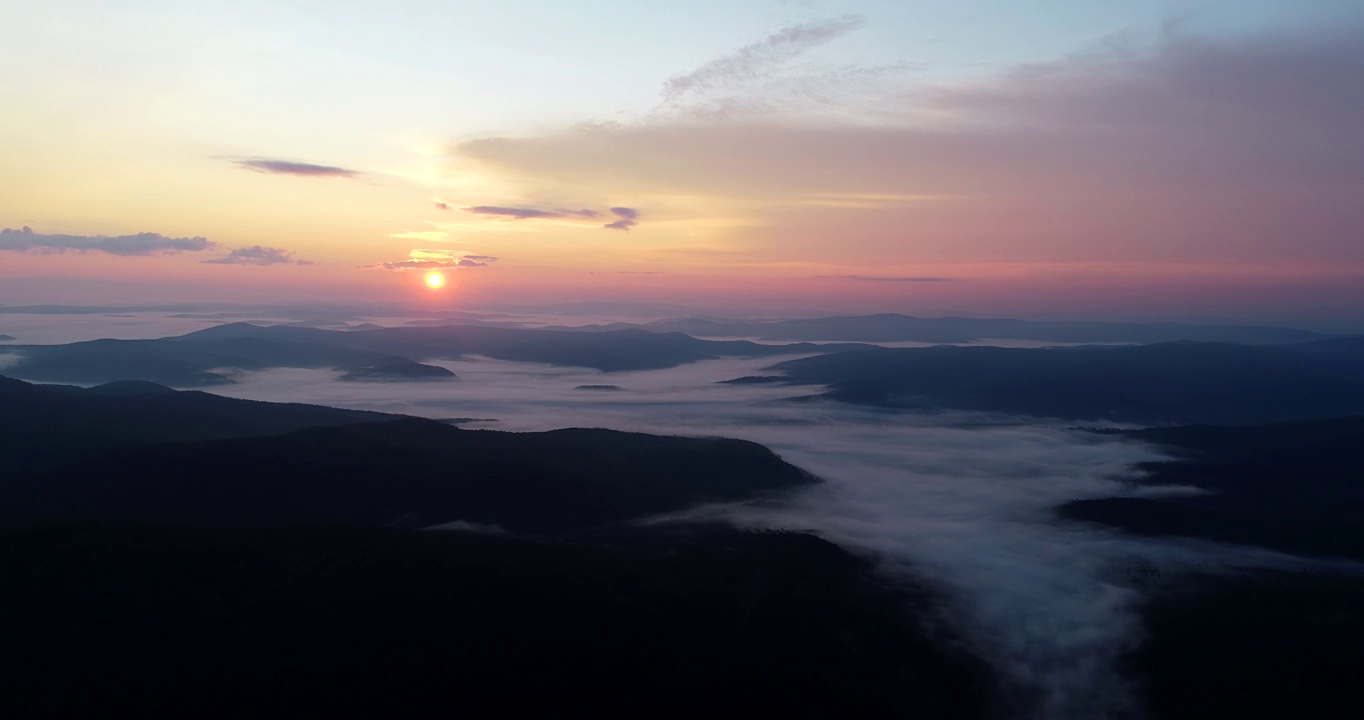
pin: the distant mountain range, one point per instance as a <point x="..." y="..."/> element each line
<point x="893" y="327"/>
<point x="1168" y="383"/>
<point x="1158" y="384"/>
<point x="192" y="360"/>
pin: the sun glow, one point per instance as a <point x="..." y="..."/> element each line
<point x="435" y="280"/>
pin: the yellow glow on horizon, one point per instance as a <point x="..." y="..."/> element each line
<point x="435" y="280"/>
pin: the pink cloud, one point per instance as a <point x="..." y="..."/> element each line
<point x="1192" y="150"/>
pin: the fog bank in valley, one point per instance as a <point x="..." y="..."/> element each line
<point x="963" y="500"/>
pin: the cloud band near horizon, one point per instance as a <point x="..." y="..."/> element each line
<point x="286" y="167"/>
<point x="258" y="255"/>
<point x="26" y="240"/>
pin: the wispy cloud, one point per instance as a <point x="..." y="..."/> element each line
<point x="288" y="167"/>
<point x="422" y="235"/>
<point x="25" y="240"/>
<point x="896" y="278"/>
<point x="428" y="259"/>
<point x="626" y="218"/>
<point x="1180" y="149"/>
<point x="525" y="213"/>
<point x="621" y="218"/>
<point x="258" y="255"/>
<point x="760" y="59"/>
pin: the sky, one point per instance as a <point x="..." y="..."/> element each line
<point x="1196" y="160"/>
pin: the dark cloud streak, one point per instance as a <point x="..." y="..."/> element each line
<point x="415" y="265"/>
<point x="436" y="260"/>
<point x="521" y="213"/>
<point x="628" y="218"/>
<point x="258" y="255"/>
<point x="26" y="240"/>
<point x="287" y="167"/>
<point x="900" y="279"/>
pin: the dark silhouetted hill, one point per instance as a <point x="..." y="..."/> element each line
<point x="144" y="621"/>
<point x="613" y="351"/>
<point x="130" y="388"/>
<point x="1163" y="384"/>
<point x="194" y="359"/>
<point x="408" y="473"/>
<point x="1253" y="646"/>
<point x="894" y="327"/>
<point x="397" y="368"/>
<point x="1296" y="487"/>
<point x="757" y="380"/>
<point x="178" y="364"/>
<point x="43" y="426"/>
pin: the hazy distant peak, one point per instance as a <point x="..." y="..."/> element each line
<point x="130" y="387"/>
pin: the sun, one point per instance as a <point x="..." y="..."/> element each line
<point x="435" y="280"/>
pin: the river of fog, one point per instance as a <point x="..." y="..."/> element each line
<point x="964" y="500"/>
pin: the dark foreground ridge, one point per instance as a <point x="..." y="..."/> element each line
<point x="1253" y="646"/>
<point x="145" y="453"/>
<point x="151" y="575"/>
<point x="44" y="426"/>
<point x="313" y="621"/>
<point x="136" y="451"/>
<point x="408" y="473"/>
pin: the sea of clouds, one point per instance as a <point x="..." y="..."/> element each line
<point x="965" y="501"/>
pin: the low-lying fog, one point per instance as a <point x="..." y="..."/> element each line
<point x="964" y="500"/>
<point x="58" y="328"/>
<point x="989" y="342"/>
<point x="80" y="324"/>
